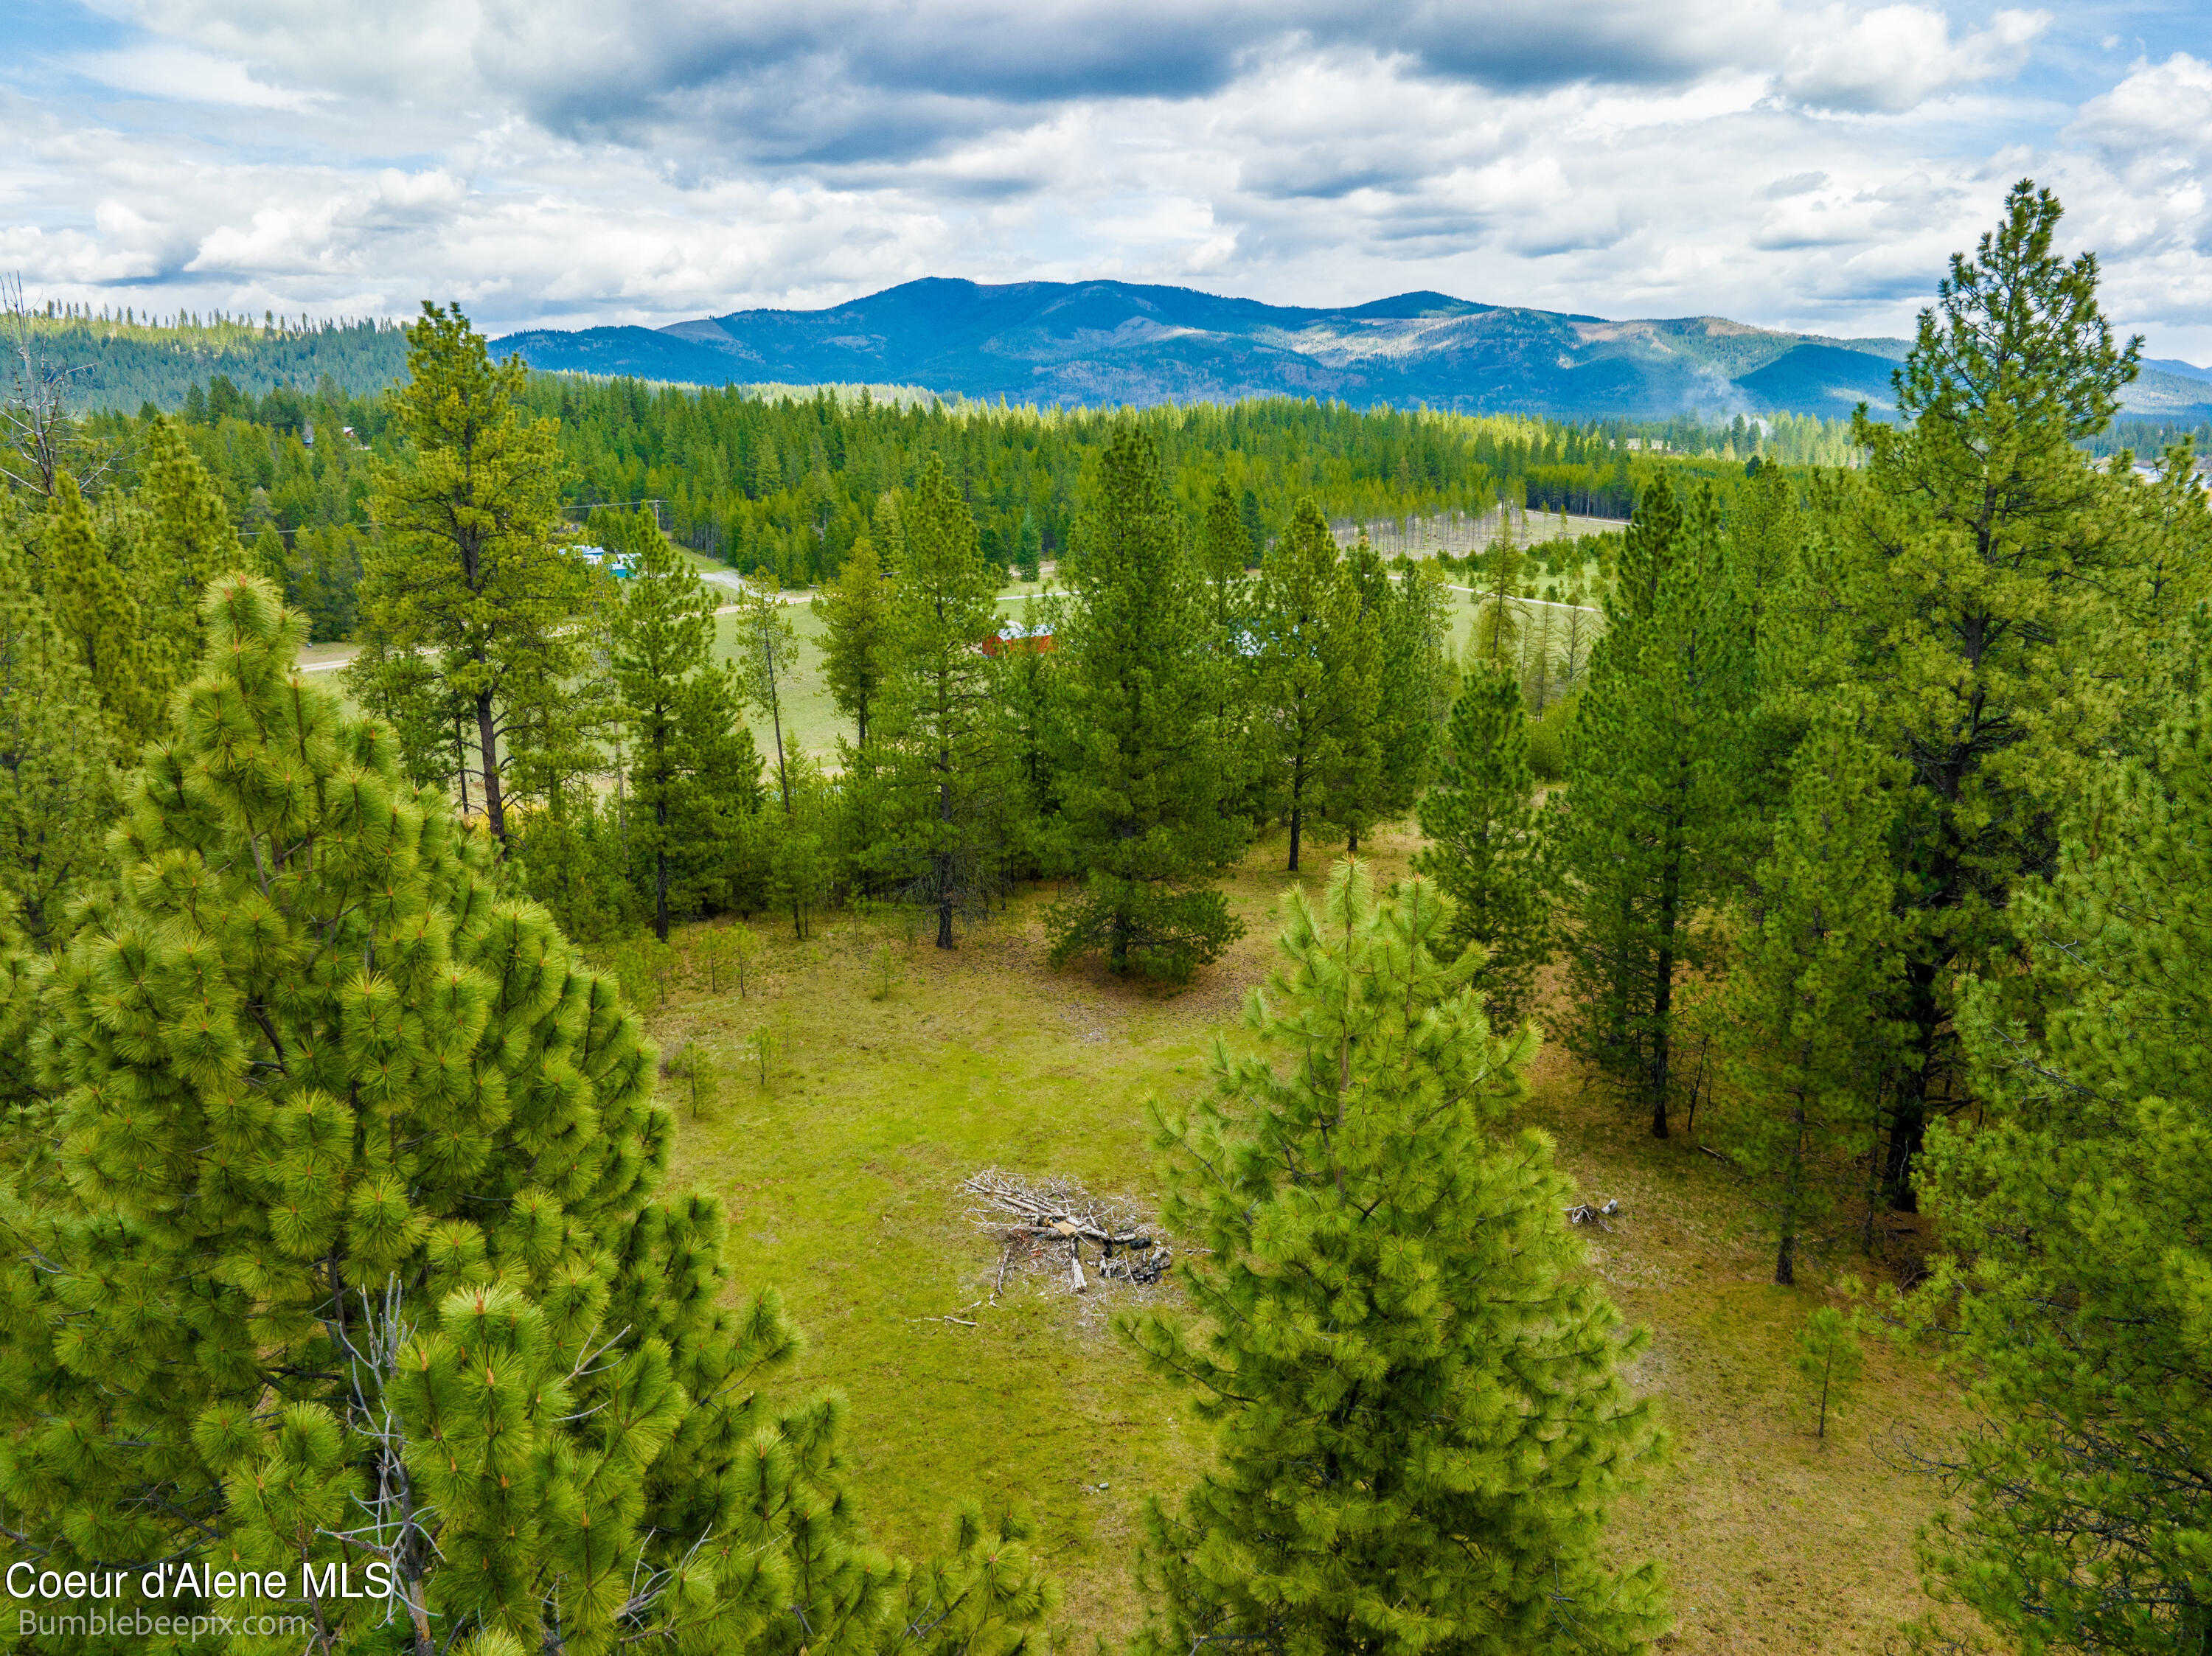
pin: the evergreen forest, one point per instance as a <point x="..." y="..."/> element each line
<point x="1578" y="1085"/>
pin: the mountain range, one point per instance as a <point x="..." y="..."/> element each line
<point x="1087" y="344"/>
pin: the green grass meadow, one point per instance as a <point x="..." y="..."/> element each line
<point x="896" y="1070"/>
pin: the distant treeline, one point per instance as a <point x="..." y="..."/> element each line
<point x="788" y="483"/>
<point x="119" y="360"/>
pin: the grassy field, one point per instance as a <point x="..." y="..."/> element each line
<point x="812" y="725"/>
<point x="897" y="1070"/>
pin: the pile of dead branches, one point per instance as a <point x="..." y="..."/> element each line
<point x="1044" y="1225"/>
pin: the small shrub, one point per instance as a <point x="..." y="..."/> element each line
<point x="883" y="973"/>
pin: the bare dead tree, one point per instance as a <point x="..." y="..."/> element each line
<point x="38" y="435"/>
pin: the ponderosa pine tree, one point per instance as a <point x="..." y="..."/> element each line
<point x="56" y="781"/>
<point x="1418" y="682"/>
<point x="1485" y="853"/>
<point x="1312" y="699"/>
<point x="178" y="537"/>
<point x="1809" y="988"/>
<point x="345" y="1247"/>
<point x="856" y="614"/>
<point x="1648" y="820"/>
<point x="940" y="715"/>
<point x="1223" y="554"/>
<point x="1983" y="545"/>
<point x="694" y="774"/>
<point x="2075" y="1297"/>
<point x="1415" y="1385"/>
<point x="466" y="575"/>
<point x="102" y="624"/>
<point x="1137" y="752"/>
<point x="1357" y="792"/>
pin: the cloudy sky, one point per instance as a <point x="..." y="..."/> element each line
<point x="1798" y="163"/>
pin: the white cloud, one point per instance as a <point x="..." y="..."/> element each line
<point x="1895" y="57"/>
<point x="183" y="73"/>
<point x="1797" y="162"/>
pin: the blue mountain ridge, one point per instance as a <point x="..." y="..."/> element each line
<point x="1094" y="343"/>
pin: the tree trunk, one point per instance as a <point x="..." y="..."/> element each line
<point x="1786" y="1261"/>
<point x="1297" y="809"/>
<point x="1908" y="1120"/>
<point x="775" y="718"/>
<point x="1662" y="998"/>
<point x="488" y="743"/>
<point x="944" y="858"/>
<point x="660" y="875"/>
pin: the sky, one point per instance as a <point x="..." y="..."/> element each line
<point x="1802" y="164"/>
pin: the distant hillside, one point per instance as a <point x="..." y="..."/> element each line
<point x="120" y="365"/>
<point x="1093" y="343"/>
<point x="1096" y="344"/>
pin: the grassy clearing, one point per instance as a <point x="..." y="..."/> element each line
<point x="839" y="1179"/>
<point x="812" y="725"/>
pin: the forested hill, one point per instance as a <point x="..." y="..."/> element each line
<point x="1104" y="342"/>
<point x="121" y="362"/>
<point x="1088" y="345"/>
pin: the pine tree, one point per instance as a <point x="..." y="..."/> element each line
<point x="1316" y="690"/>
<point x="347" y="1251"/>
<point x="1808" y="992"/>
<point x="2072" y="1295"/>
<point x="100" y="622"/>
<point x="684" y="720"/>
<point x="1224" y="551"/>
<point x="855" y="624"/>
<point x="1649" y="816"/>
<point x="767" y="658"/>
<point x="1138" y="753"/>
<point x="1420" y="1421"/>
<point x="1830" y="1357"/>
<point x="466" y="576"/>
<point x="941" y="718"/>
<point x="1356" y="791"/>
<point x="55" y="777"/>
<point x="1484" y="852"/>
<point x="179" y="538"/>
<point x="1499" y="616"/>
<point x="1417" y="684"/>
<point x="1980" y="543"/>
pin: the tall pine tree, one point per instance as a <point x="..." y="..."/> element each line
<point x="1649" y="817"/>
<point x="941" y="718"/>
<point x="1316" y="678"/>
<point x="1809" y="990"/>
<point x="467" y="594"/>
<point x="1420" y="1417"/>
<point x="1138" y="752"/>
<point x="1981" y="543"/>
<point x="856" y="618"/>
<point x="1483" y="850"/>
<point x="2075" y="1298"/>
<point x="693" y="775"/>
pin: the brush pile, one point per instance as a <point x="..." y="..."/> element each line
<point x="1043" y="1226"/>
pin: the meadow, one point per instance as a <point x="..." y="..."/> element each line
<point x="895" y="1071"/>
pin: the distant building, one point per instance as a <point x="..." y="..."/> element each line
<point x="600" y="558"/>
<point x="1014" y="639"/>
